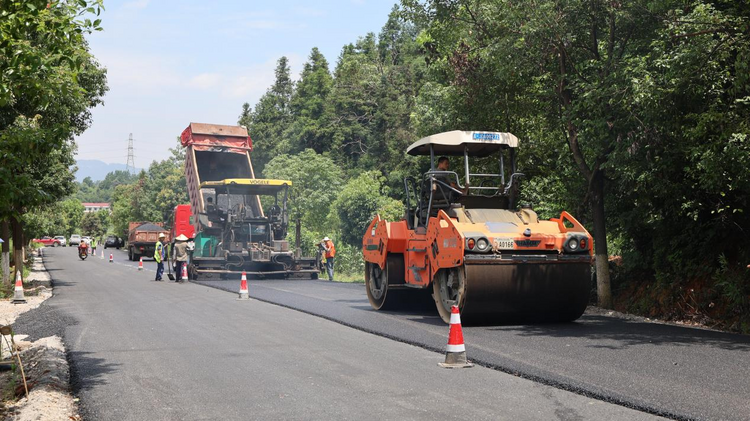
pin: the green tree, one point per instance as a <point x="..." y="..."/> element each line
<point x="310" y="107"/>
<point x="316" y="180"/>
<point x="48" y="83"/>
<point x="358" y="203"/>
<point x="95" y="224"/>
<point x="272" y="116"/>
<point x="72" y="210"/>
<point x="594" y="77"/>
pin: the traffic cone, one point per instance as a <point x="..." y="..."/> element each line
<point x="455" y="352"/>
<point x="244" y="294"/>
<point x="18" y="297"/>
<point x="184" y="275"/>
<point x="140" y="264"/>
<point x="111" y="258"/>
<point x="101" y="256"/>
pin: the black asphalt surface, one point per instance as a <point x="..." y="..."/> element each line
<point x="142" y="350"/>
<point x="679" y="372"/>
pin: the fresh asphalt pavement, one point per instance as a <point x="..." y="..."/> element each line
<point x="675" y="371"/>
<point x="141" y="349"/>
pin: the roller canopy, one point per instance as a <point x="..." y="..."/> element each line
<point x="455" y="142"/>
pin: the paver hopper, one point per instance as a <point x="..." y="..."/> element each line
<point x="471" y="246"/>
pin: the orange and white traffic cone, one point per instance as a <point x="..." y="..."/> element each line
<point x="455" y="352"/>
<point x="244" y="294"/>
<point x="140" y="263"/>
<point x="111" y="258"/>
<point x="18" y="297"/>
<point x="101" y="256"/>
<point x="184" y="275"/>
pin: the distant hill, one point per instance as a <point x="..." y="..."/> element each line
<point x="96" y="169"/>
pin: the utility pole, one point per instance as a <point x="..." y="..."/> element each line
<point x="130" y="166"/>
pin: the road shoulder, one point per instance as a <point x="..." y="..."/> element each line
<point x="44" y="360"/>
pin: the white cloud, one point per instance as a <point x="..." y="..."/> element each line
<point x="204" y="81"/>
<point x="139" y="71"/>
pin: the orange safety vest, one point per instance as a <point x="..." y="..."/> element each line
<point x="332" y="249"/>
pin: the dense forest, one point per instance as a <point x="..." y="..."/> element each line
<point x="633" y="116"/>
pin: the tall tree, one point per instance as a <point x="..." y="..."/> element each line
<point x="271" y="117"/>
<point x="48" y="83"/>
<point x="587" y="70"/>
<point x="311" y="108"/>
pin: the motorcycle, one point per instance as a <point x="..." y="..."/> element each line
<point x="83" y="251"/>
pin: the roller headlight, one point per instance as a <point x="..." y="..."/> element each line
<point x="483" y="244"/>
<point x="573" y="244"/>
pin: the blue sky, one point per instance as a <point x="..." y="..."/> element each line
<point x="171" y="62"/>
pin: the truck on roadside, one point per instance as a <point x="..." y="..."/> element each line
<point x="142" y="238"/>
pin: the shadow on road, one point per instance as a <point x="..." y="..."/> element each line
<point x="88" y="372"/>
<point x="616" y="334"/>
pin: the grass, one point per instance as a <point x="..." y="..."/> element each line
<point x="346" y="278"/>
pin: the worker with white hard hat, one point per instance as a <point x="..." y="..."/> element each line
<point x="159" y="256"/>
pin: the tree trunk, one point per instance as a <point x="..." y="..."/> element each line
<point x="5" y="235"/>
<point x="17" y="246"/>
<point x="603" y="289"/>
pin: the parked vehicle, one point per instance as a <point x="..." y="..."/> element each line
<point x="75" y="240"/>
<point x="113" y="241"/>
<point x="142" y="238"/>
<point x="86" y="239"/>
<point x="61" y="239"/>
<point x="47" y="241"/>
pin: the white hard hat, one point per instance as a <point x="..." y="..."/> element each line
<point x="181" y="237"/>
<point x="326" y="239"/>
<point x="161" y="235"/>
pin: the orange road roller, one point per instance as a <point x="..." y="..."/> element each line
<point x="471" y="246"/>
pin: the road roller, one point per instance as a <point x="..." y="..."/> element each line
<point x="466" y="241"/>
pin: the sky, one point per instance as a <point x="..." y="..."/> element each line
<point x="172" y="62"/>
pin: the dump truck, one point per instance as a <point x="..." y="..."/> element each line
<point x="142" y="238"/>
<point x="468" y="243"/>
<point x="233" y="233"/>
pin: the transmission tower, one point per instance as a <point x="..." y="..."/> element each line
<point x="130" y="166"/>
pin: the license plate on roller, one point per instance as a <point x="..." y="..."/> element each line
<point x="503" y="244"/>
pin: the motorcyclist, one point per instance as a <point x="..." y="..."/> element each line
<point x="83" y="248"/>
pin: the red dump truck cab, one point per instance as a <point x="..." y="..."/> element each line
<point x="182" y="222"/>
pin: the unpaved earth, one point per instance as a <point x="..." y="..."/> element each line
<point x="44" y="363"/>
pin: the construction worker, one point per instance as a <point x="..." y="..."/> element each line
<point x="159" y="256"/>
<point x="93" y="245"/>
<point x="330" y="253"/>
<point x="180" y="255"/>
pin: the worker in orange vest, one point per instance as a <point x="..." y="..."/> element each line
<point x="330" y="253"/>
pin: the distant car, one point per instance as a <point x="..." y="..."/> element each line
<point x="75" y="240"/>
<point x="47" y="241"/>
<point x="61" y="239"/>
<point x="86" y="239"/>
<point x="112" y="242"/>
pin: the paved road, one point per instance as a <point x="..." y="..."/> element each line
<point x="679" y="372"/>
<point x="162" y="351"/>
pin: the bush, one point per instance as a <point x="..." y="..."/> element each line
<point x="358" y="203"/>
